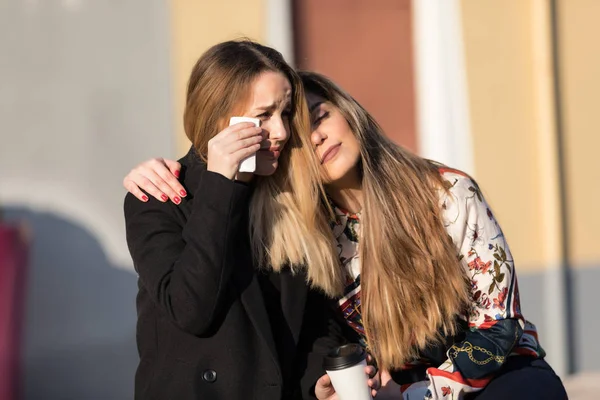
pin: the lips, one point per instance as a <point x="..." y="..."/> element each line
<point x="330" y="153"/>
<point x="272" y="152"/>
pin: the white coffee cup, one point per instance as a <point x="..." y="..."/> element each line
<point x="345" y="365"/>
<point x="248" y="164"/>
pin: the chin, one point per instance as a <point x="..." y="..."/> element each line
<point x="338" y="169"/>
<point x="266" y="169"/>
<point x="333" y="175"/>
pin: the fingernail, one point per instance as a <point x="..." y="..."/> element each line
<point x="164" y="197"/>
<point x="176" y="173"/>
<point x="183" y="193"/>
<point x="145" y="198"/>
<point x="176" y="200"/>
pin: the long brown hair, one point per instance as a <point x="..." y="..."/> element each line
<point x="286" y="228"/>
<point x="413" y="285"/>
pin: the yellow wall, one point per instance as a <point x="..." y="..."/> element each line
<point x="198" y="24"/>
<point x="579" y="31"/>
<point x="508" y="51"/>
<point x="507" y="122"/>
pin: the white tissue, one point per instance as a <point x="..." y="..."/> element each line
<point x="248" y="164"/>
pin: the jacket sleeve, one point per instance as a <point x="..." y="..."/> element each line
<point x="494" y="317"/>
<point x="186" y="266"/>
<point x="322" y="331"/>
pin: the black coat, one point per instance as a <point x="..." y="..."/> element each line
<point x="209" y="325"/>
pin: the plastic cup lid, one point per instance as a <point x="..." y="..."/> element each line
<point x="344" y="357"/>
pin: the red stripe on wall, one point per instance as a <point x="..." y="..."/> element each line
<point x="366" y="47"/>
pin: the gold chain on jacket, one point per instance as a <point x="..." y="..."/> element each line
<point x="467" y="347"/>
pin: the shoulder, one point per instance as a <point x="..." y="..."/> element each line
<point x="133" y="207"/>
<point x="457" y="181"/>
<point x="460" y="196"/>
<point x="192" y="168"/>
<point x="190" y="159"/>
<point x="458" y="186"/>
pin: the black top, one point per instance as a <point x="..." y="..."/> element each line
<point x="209" y="325"/>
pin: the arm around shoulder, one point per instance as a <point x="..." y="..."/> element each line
<point x="185" y="265"/>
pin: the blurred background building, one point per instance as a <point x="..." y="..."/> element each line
<point x="507" y="91"/>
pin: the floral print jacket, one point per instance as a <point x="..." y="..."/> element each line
<point x="496" y="327"/>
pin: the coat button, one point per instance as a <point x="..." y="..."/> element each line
<point x="209" y="375"/>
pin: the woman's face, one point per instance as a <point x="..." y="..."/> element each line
<point x="336" y="145"/>
<point x="270" y="101"/>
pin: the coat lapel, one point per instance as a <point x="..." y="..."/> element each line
<point x="293" y="300"/>
<point x="245" y="279"/>
<point x="253" y="301"/>
<point x="293" y="287"/>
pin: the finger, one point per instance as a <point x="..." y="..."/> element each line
<point x="374" y="383"/>
<point x="324" y="389"/>
<point x="246" y="152"/>
<point x="325" y="380"/>
<point x="135" y="190"/>
<point x="173" y="166"/>
<point x="370" y="371"/>
<point x="371" y="360"/>
<point x="235" y="133"/>
<point x="175" y="188"/>
<point x="159" y="182"/>
<point x="373" y="393"/>
<point x="242" y="144"/>
<point x="227" y="132"/>
<point x="141" y="182"/>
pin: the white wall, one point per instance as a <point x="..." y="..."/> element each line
<point x="84" y="95"/>
<point x="444" y="131"/>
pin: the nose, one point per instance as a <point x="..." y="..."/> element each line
<point x="278" y="131"/>
<point x="317" y="138"/>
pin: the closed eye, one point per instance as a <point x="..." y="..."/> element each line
<point x="320" y="118"/>
<point x="265" y="115"/>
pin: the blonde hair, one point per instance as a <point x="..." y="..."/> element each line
<point x="285" y="224"/>
<point x="413" y="285"/>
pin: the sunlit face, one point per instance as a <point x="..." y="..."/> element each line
<point x="270" y="101"/>
<point x="336" y="145"/>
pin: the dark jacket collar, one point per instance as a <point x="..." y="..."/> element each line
<point x="192" y="168"/>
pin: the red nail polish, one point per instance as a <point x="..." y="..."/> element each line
<point x="164" y="197"/>
<point x="176" y="173"/>
<point x="176" y="200"/>
<point x="145" y="198"/>
<point x="183" y="193"/>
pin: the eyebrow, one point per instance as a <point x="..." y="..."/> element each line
<point x="314" y="106"/>
<point x="272" y="106"/>
<point x="266" y="107"/>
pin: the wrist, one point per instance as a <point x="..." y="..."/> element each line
<point x="244" y="176"/>
<point x="220" y="172"/>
